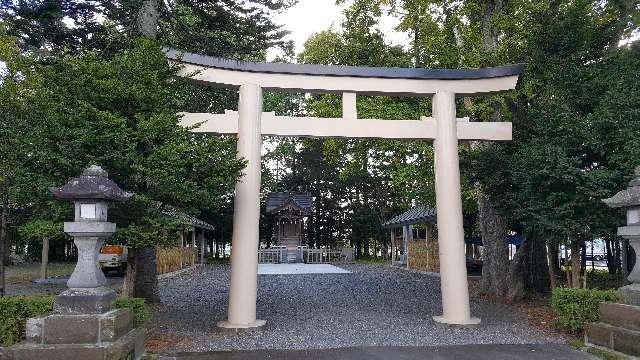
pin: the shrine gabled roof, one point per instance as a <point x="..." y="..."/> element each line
<point x="341" y="70"/>
<point x="416" y="215"/>
<point x="276" y="201"/>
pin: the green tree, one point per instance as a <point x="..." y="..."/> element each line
<point x="221" y="28"/>
<point x="119" y="112"/>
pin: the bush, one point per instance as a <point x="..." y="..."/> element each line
<point x="575" y="308"/>
<point x="15" y="310"/>
<point x="601" y="279"/>
<point x="138" y="307"/>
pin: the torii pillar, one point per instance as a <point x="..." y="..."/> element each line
<point x="453" y="266"/>
<point x="243" y="290"/>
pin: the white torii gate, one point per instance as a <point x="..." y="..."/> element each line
<point x="250" y="123"/>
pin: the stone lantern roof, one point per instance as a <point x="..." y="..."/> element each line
<point x="629" y="197"/>
<point x="93" y="183"/>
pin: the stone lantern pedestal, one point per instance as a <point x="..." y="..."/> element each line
<point x="84" y="324"/>
<point x="619" y="326"/>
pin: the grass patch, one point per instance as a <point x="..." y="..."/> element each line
<point x="27" y="272"/>
<point x="597" y="352"/>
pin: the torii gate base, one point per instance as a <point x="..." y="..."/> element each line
<point x="250" y="123"/>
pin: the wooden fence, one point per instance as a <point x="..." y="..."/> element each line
<point x="310" y="256"/>
<point x="174" y="259"/>
<point x="270" y="256"/>
<point x="329" y="256"/>
<point x="423" y="255"/>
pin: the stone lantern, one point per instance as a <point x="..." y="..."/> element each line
<point x="84" y="324"/>
<point x="90" y="193"/>
<point x="629" y="199"/>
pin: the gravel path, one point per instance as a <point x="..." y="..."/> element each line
<point x="373" y="306"/>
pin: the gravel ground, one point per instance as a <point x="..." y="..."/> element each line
<point x="373" y="306"/>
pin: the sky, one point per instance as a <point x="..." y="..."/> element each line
<point x="308" y="17"/>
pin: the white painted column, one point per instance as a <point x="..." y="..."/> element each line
<point x="349" y="106"/>
<point x="246" y="215"/>
<point x="453" y="270"/>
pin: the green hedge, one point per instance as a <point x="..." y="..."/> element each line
<point x="575" y="308"/>
<point x="15" y="310"/>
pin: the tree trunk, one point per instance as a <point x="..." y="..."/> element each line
<point x="529" y="270"/>
<point x="575" y="264"/>
<point x="516" y="289"/>
<point x="583" y="263"/>
<point x="146" y="279"/>
<point x="617" y="259"/>
<point x="551" y="265"/>
<point x="141" y="279"/>
<point x="3" y="239"/>
<point x="567" y="270"/>
<point x="45" y="258"/>
<point x="130" y="276"/>
<point x="625" y="257"/>
<point x="554" y="255"/>
<point x="536" y="276"/>
<point x="609" y="256"/>
<point x="495" y="263"/>
<point x="147" y="21"/>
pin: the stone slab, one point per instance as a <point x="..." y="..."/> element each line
<point x="293" y="269"/>
<point x="70" y="329"/>
<point x="599" y="334"/>
<point x="115" y="324"/>
<point x="626" y="341"/>
<point x="621" y="315"/>
<point x="85" y="301"/>
<point x="613" y="337"/>
<point x="630" y="294"/>
<point x="130" y="346"/>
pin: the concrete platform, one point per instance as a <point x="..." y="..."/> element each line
<point x="292" y="269"/>
<point x="454" y="352"/>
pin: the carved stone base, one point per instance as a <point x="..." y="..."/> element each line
<point x="85" y="301"/>
<point x="100" y="336"/>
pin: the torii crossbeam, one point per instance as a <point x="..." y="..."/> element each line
<point x="250" y="123"/>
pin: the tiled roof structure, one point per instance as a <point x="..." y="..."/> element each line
<point x="416" y="215"/>
<point x="180" y="216"/>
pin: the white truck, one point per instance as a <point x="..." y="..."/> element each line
<point x="113" y="258"/>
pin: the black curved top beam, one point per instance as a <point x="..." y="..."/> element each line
<point x="340" y="70"/>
